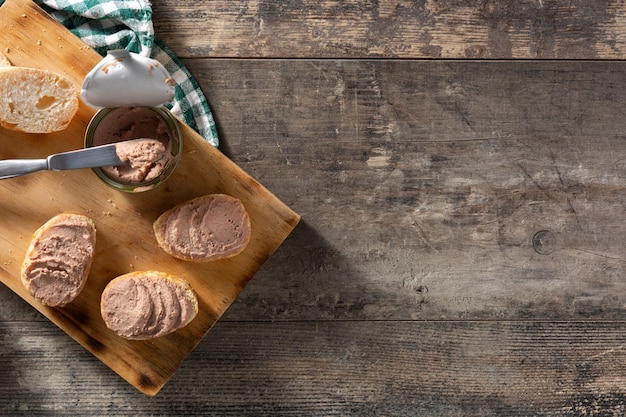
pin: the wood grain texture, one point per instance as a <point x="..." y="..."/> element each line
<point x="480" y="155"/>
<point x="461" y="249"/>
<point x="125" y="237"/>
<point x="394" y="29"/>
<point x="434" y="190"/>
<point x="427" y="369"/>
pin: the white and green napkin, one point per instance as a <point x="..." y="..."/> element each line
<point x="127" y="24"/>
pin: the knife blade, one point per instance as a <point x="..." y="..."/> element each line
<point x="97" y="156"/>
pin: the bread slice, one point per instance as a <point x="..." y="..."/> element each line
<point x="36" y="100"/>
<point x="58" y="259"/>
<point x="147" y="304"/>
<point x="207" y="228"/>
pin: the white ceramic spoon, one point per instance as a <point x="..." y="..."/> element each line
<point x="126" y="79"/>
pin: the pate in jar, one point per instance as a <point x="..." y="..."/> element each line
<point x="130" y="90"/>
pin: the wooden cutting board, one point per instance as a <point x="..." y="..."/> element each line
<point x="125" y="241"/>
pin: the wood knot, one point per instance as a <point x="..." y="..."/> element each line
<point x="544" y="242"/>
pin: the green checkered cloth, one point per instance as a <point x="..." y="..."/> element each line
<point x="119" y="24"/>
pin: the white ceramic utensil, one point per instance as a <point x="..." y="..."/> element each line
<point x="127" y="79"/>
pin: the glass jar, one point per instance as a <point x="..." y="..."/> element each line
<point x="115" y="124"/>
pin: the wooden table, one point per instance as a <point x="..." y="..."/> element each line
<point x="460" y="170"/>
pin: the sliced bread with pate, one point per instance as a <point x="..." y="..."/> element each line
<point x="58" y="259"/>
<point x="36" y="100"/>
<point x="147" y="304"/>
<point x="206" y="228"/>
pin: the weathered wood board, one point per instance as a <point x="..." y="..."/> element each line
<point x="414" y="286"/>
<point x="340" y="368"/>
<point x="125" y="239"/>
<point x="424" y="184"/>
<point x="394" y="29"/>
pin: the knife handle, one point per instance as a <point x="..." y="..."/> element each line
<point x="10" y="168"/>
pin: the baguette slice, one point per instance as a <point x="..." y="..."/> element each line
<point x="147" y="304"/>
<point x="36" y="100"/>
<point x="207" y="228"/>
<point x="58" y="259"/>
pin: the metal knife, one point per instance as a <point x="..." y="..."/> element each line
<point x="97" y="156"/>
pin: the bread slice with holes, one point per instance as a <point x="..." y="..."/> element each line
<point x="36" y="100"/>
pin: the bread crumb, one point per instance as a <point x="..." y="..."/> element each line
<point x="38" y="41"/>
<point x="7" y="50"/>
<point x="107" y="213"/>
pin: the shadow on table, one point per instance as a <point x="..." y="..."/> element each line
<point x="307" y="278"/>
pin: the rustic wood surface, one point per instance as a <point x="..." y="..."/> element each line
<point x="562" y="29"/>
<point x="461" y="249"/>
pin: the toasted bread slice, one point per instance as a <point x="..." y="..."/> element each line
<point x="36" y="100"/>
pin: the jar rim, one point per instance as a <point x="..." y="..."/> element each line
<point x="175" y="136"/>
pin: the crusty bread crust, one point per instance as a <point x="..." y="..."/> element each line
<point x="187" y="293"/>
<point x="163" y="222"/>
<point x="30" y="258"/>
<point x="36" y="100"/>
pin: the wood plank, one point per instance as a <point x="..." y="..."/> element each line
<point x="124" y="221"/>
<point x="393" y="29"/>
<point x="453" y="211"/>
<point x="337" y="369"/>
<point x="423" y="184"/>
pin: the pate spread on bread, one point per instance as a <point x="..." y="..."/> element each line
<point x="207" y="228"/>
<point x="147" y="304"/>
<point x="58" y="259"/>
<point x="36" y="100"/>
